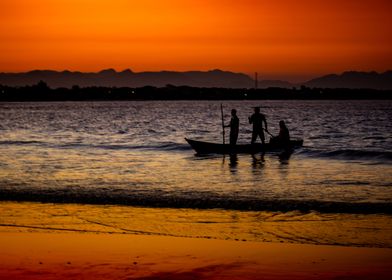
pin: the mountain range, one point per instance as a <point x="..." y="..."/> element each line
<point x="213" y="78"/>
<point x="353" y="79"/>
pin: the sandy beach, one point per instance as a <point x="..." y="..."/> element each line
<point x="71" y="241"/>
<point x="117" y="256"/>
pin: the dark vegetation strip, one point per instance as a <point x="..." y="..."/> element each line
<point x="41" y="92"/>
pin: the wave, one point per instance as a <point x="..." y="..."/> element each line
<point x="345" y="154"/>
<point x="20" y="142"/>
<point x="168" y="146"/>
<point x="348" y="154"/>
<point x="171" y="146"/>
<point x="198" y="201"/>
<point x="165" y="146"/>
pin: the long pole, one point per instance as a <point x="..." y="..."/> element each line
<point x="268" y="132"/>
<point x="223" y="124"/>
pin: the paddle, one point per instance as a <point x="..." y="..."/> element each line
<point x="268" y="132"/>
<point x="223" y="124"/>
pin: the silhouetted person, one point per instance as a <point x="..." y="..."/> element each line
<point x="257" y="119"/>
<point x="234" y="127"/>
<point x="284" y="134"/>
<point x="283" y="140"/>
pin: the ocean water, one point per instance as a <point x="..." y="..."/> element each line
<point x="134" y="154"/>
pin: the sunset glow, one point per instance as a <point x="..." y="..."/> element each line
<point x="282" y="39"/>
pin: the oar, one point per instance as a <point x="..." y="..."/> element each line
<point x="223" y="124"/>
<point x="268" y="132"/>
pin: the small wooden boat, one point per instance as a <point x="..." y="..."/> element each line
<point x="203" y="148"/>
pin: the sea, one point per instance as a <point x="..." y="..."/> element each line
<point x="111" y="159"/>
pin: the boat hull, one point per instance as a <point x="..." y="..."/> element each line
<point x="202" y="147"/>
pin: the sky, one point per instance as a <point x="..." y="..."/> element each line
<point x="280" y="39"/>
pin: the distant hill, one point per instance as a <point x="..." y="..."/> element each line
<point x="354" y="80"/>
<point x="213" y="78"/>
<point x="127" y="78"/>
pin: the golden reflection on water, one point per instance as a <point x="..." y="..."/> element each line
<point x="183" y="173"/>
<point x="369" y="230"/>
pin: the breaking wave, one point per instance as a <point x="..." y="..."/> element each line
<point x="348" y="154"/>
<point x="196" y="201"/>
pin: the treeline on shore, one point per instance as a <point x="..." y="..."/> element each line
<point x="41" y="92"/>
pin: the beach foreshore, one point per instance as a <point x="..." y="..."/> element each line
<point x="35" y="255"/>
<point x="351" y="230"/>
<point x="74" y="241"/>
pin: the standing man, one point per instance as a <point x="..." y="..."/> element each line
<point x="234" y="127"/>
<point x="258" y="119"/>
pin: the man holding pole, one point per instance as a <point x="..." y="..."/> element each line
<point x="257" y="119"/>
<point x="234" y="127"/>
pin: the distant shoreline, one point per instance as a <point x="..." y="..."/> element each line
<point x="41" y="92"/>
<point x="199" y="79"/>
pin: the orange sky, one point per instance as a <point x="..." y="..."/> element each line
<point x="283" y="39"/>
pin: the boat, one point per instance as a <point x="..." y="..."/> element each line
<point x="203" y="148"/>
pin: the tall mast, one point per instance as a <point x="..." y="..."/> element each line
<point x="256" y="81"/>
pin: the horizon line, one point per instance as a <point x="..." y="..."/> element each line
<point x="129" y="70"/>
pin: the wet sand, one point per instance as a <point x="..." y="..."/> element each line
<point x="354" y="230"/>
<point x="34" y="255"/>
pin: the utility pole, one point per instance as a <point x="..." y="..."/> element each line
<point x="256" y="81"/>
